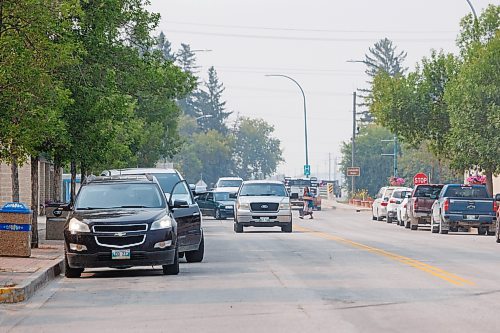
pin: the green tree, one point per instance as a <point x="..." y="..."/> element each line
<point x="474" y="104"/>
<point x="257" y="153"/>
<point x="190" y="104"/>
<point x="165" y="47"/>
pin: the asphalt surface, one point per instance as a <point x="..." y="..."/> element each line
<point x="341" y="272"/>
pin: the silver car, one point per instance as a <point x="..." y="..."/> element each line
<point x="262" y="203"/>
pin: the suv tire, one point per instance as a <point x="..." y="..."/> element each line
<point x="197" y="255"/>
<point x="71" y="273"/>
<point x="238" y="228"/>
<point x="172" y="269"/>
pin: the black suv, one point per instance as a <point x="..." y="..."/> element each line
<point x="120" y="222"/>
<point x="188" y="217"/>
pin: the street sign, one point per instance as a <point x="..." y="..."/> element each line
<point x="307" y="169"/>
<point x="353" y="171"/>
<point x="420" y="178"/>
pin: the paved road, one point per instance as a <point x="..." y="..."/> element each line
<point x="341" y="272"/>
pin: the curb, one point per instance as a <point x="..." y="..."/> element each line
<point x="28" y="288"/>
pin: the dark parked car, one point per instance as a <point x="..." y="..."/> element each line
<point x="120" y="222"/>
<point x="191" y="240"/>
<point x="217" y="203"/>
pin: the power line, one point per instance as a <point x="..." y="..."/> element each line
<point x="310" y="30"/>
<point x="311" y="39"/>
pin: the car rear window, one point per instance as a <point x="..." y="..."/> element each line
<point x="427" y="191"/>
<point x="466" y="192"/>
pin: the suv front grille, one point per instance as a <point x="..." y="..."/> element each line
<point x="120" y="242"/>
<point x="264" y="206"/>
<point x="112" y="228"/>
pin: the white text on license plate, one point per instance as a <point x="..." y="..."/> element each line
<point x="120" y="254"/>
<point x="264" y="219"/>
<point x="470" y="217"/>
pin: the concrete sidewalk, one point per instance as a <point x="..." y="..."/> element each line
<point x="20" y="278"/>
<point x="333" y="204"/>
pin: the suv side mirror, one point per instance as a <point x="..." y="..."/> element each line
<point x="497" y="197"/>
<point x="180" y="204"/>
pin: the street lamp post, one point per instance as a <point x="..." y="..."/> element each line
<point x="305" y="110"/>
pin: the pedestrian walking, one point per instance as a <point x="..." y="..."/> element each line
<point x="308" y="204"/>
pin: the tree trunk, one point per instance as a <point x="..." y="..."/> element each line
<point x="440" y="171"/>
<point x="489" y="182"/>
<point x="73" y="181"/>
<point x="83" y="173"/>
<point x="14" y="169"/>
<point x="34" y="202"/>
<point x="57" y="181"/>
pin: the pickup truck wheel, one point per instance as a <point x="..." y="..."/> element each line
<point x="441" y="231"/>
<point x="414" y="226"/>
<point x="407" y="224"/>
<point x="197" y="255"/>
<point x="389" y="219"/>
<point x="238" y="228"/>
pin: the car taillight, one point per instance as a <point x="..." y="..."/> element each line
<point x="392" y="201"/>
<point x="495" y="206"/>
<point x="415" y="204"/>
<point x="384" y="203"/>
<point x="404" y="206"/>
<point x="446" y="205"/>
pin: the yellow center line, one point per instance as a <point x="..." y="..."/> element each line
<point x="432" y="270"/>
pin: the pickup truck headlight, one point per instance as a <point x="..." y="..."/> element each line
<point x="242" y="205"/>
<point x="285" y="205"/>
<point x="164" y="223"/>
<point x="76" y="226"/>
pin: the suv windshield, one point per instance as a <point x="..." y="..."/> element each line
<point x="230" y="183"/>
<point x="277" y="190"/>
<point x="222" y="196"/>
<point x="123" y="195"/>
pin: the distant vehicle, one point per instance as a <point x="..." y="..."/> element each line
<point x="295" y="187"/>
<point x="379" y="207"/>
<point x="420" y="204"/>
<point x="230" y="184"/>
<point x="120" y="222"/>
<point x="464" y="206"/>
<point x="191" y="239"/>
<point x="217" y="203"/>
<point x="263" y="203"/>
<point x="395" y="200"/>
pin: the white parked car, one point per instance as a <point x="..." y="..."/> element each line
<point x="395" y="200"/>
<point x="230" y="184"/>
<point x="262" y="203"/>
<point x="402" y="212"/>
<point x="379" y="208"/>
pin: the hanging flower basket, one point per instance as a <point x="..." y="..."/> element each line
<point x="476" y="180"/>
<point x="396" y="181"/>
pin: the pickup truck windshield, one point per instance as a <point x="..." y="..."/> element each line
<point x="466" y="192"/>
<point x="229" y="183"/>
<point x="427" y="191"/>
<point x="277" y="190"/>
<point x="299" y="182"/>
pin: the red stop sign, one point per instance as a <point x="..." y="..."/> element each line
<point x="420" y="178"/>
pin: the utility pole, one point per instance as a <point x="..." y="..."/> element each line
<point x="329" y="166"/>
<point x="353" y="137"/>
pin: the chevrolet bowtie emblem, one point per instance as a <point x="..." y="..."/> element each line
<point x="120" y="234"/>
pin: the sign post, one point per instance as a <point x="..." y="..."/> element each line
<point x="420" y="179"/>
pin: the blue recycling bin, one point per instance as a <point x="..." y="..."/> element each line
<point x="15" y="230"/>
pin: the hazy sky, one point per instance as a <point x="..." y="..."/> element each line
<point x="311" y="42"/>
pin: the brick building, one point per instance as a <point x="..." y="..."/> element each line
<point x="45" y="182"/>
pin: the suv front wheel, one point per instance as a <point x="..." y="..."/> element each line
<point x="71" y="273"/>
<point x="197" y="255"/>
<point x="172" y="269"/>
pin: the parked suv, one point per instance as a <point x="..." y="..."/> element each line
<point x="420" y="204"/>
<point x="191" y="240"/>
<point x="379" y="207"/>
<point x="120" y="222"/>
<point x="263" y="203"/>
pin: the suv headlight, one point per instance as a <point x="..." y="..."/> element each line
<point x="75" y="226"/>
<point x="163" y="223"/>
<point x="284" y="205"/>
<point x="242" y="205"/>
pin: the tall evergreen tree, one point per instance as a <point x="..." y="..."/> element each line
<point x="164" y="45"/>
<point x="186" y="59"/>
<point x="215" y="106"/>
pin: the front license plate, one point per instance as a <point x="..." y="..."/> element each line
<point x="470" y="217"/>
<point x="264" y="219"/>
<point x="120" y="254"/>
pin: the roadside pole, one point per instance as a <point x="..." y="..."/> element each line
<point x="353" y="137"/>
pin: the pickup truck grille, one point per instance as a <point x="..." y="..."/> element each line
<point x="264" y="206"/>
